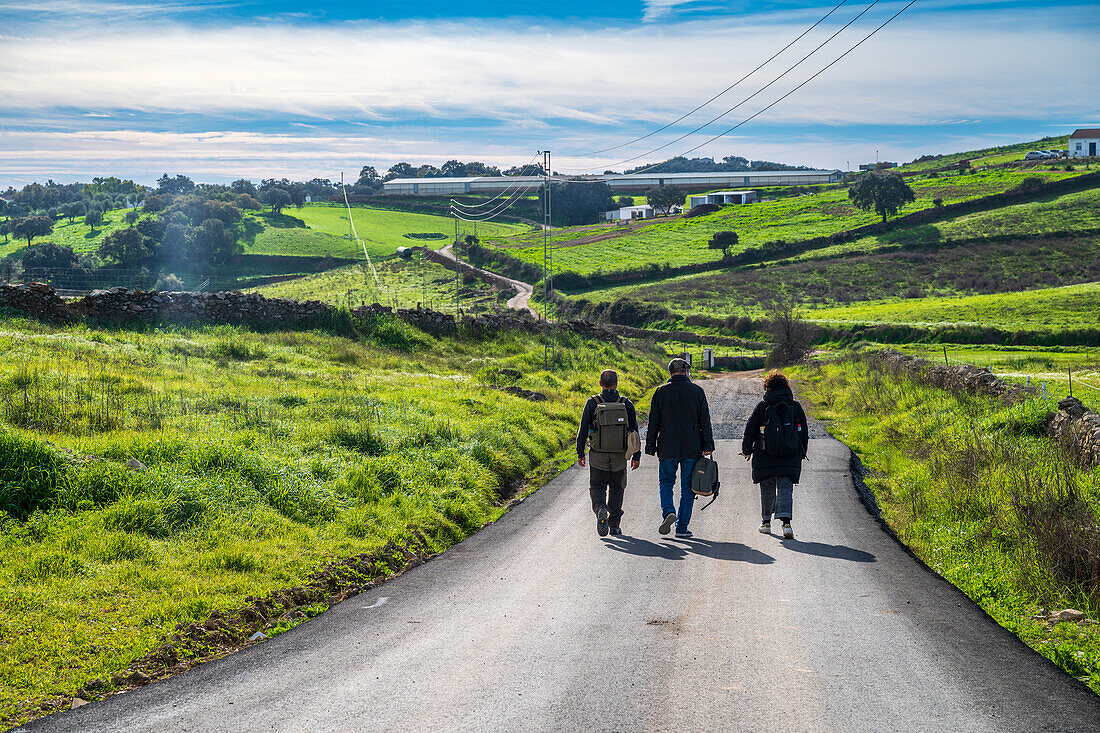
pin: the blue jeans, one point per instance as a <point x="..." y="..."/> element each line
<point x="666" y="479"/>
<point x="777" y="496"/>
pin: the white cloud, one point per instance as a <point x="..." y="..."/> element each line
<point x="495" y="86"/>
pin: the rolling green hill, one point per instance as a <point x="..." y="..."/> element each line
<point x="790" y="218"/>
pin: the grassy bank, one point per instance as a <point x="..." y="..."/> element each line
<point x="267" y="454"/>
<point x="982" y="496"/>
<point x="400" y="282"/>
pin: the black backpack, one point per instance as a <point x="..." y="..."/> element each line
<point x="704" y="479"/>
<point x="781" y="431"/>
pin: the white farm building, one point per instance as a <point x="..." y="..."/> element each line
<point x="633" y="183"/>
<point x="1084" y="142"/>
<point x="723" y="197"/>
<point x="626" y="213"/>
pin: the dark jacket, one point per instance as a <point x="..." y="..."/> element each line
<point x="679" y="421"/>
<point x="763" y="465"/>
<point x="609" y="395"/>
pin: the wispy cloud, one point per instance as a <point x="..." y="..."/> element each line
<point x="426" y="90"/>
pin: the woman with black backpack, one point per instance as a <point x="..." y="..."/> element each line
<point x="776" y="438"/>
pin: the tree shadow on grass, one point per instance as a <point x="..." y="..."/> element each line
<point x="836" y="552"/>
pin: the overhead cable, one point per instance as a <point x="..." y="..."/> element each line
<point x="792" y="91"/>
<point x="719" y="94"/>
<point x="505" y="192"/>
<point x="746" y="99"/>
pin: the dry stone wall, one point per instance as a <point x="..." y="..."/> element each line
<point x="123" y="306"/>
<point x="1078" y="429"/>
<point x="1074" y="425"/>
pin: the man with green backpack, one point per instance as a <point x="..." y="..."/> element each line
<point x="609" y="425"/>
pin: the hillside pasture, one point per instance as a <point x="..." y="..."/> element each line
<point x="266" y="455"/>
<point x="1050" y="309"/>
<point x="684" y="241"/>
<point x="77" y="235"/>
<point x="910" y="275"/>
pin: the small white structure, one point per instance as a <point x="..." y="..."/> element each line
<point x="1084" y="142"/>
<point x="627" y="213"/>
<point x="723" y="197"/>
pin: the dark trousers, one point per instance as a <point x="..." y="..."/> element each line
<point x="607" y="489"/>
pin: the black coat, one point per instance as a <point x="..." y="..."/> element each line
<point x="609" y="395"/>
<point x="679" y="421"/>
<point x="763" y="465"/>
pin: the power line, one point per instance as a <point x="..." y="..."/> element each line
<point x="748" y="98"/>
<point x="497" y="210"/>
<point x="792" y="91"/>
<point x="721" y="93"/>
<point x="482" y="204"/>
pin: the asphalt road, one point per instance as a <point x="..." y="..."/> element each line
<point x="535" y="623"/>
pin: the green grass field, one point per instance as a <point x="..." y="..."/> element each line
<point x="268" y="455"/>
<point x="966" y="482"/>
<point x="403" y="283"/>
<point x="990" y="156"/>
<point x="684" y="241"/>
<point x="77" y="235"/>
<point x="1073" y="306"/>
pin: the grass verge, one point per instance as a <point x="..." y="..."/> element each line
<point x="264" y="457"/>
<point x="980" y="495"/>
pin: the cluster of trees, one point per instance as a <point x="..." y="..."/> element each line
<point x="575" y="203"/>
<point x="663" y="198"/>
<point x="450" y="169"/>
<point x="729" y="164"/>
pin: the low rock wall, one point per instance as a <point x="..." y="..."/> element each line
<point x="1074" y="425"/>
<point x="965" y="378"/>
<point x="1078" y="429"/>
<point x="122" y="306"/>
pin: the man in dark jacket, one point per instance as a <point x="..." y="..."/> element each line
<point x="776" y="474"/>
<point x="607" y="474"/>
<point x="679" y="433"/>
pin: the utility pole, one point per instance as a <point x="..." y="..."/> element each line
<point x="454" y="251"/>
<point x="547" y="262"/>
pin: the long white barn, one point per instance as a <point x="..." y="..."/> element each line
<point x="634" y="183"/>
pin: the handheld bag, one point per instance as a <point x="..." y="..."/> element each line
<point x="704" y="479"/>
<point x="609" y="427"/>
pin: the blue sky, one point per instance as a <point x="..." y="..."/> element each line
<point x="220" y="90"/>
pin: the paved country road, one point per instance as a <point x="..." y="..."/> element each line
<point x="535" y="623"/>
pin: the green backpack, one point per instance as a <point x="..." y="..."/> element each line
<point x="609" y="427"/>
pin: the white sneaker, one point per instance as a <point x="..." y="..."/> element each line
<point x="765" y="528"/>
<point x="788" y="533"/>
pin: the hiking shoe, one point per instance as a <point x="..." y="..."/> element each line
<point x="684" y="534"/>
<point x="666" y="525"/>
<point x="765" y="528"/>
<point x="616" y="531"/>
<point x="601" y="522"/>
<point x="788" y="533"/>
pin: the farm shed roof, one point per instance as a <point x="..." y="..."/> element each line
<point x="1086" y="132"/>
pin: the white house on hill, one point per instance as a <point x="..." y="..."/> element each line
<point x="1084" y="142"/>
<point x="723" y="197"/>
<point x="629" y="212"/>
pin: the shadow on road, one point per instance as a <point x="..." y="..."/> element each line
<point x="820" y="549"/>
<point x="644" y="548"/>
<point x="734" y="551"/>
